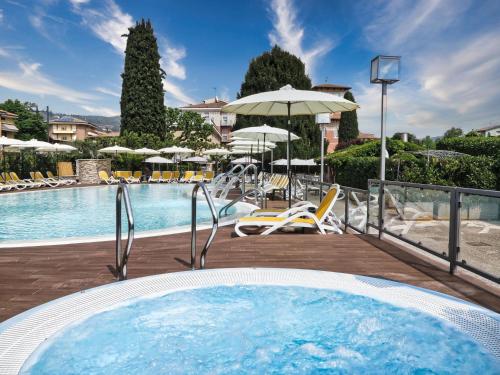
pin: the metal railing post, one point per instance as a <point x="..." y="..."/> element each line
<point x="306" y="195"/>
<point x="454" y="234"/>
<point x="346" y="208"/>
<point x="121" y="258"/>
<point x="381" y="203"/>
<point x="215" y="224"/>
<point x="368" y="208"/>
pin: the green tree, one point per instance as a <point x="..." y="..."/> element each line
<point x="428" y="143"/>
<point x="453" y="133"/>
<point x="348" y="128"/>
<point x="195" y="133"/>
<point x="29" y="122"/>
<point x="473" y="133"/>
<point x="142" y="108"/>
<point x="271" y="71"/>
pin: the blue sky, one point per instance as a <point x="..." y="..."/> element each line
<point x="68" y="54"/>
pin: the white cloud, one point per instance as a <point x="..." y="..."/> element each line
<point x="106" y="91"/>
<point x="29" y="79"/>
<point x="170" y="61"/>
<point x="177" y="93"/>
<point x="289" y="35"/>
<point x="449" y="77"/>
<point x="102" y="111"/>
<point x="108" y="23"/>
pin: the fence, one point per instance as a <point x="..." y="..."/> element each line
<point x="458" y="225"/>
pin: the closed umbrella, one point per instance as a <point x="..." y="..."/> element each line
<point x="288" y="101"/>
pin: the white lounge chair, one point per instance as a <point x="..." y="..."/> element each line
<point x="295" y="218"/>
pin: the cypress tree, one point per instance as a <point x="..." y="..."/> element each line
<point x="271" y="71"/>
<point x="348" y="128"/>
<point x="142" y="107"/>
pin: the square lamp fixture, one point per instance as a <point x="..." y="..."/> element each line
<point x="385" y="69"/>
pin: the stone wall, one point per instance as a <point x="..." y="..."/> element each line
<point x="88" y="170"/>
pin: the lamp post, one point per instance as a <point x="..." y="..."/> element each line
<point x="384" y="70"/>
<point x="322" y="119"/>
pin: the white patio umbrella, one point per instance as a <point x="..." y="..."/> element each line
<point x="176" y="150"/>
<point x="288" y="101"/>
<point x="158" y="160"/>
<point x="146" y="151"/>
<point x="196" y="159"/>
<point x="244" y="160"/>
<point x="216" y="152"/>
<point x="116" y="150"/>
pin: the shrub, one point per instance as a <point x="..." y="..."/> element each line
<point x="475" y="146"/>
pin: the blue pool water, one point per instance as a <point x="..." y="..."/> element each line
<point x="261" y="330"/>
<point x="90" y="212"/>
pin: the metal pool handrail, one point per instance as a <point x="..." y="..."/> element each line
<point x="122" y="258"/>
<point x="215" y="224"/>
<point x="257" y="192"/>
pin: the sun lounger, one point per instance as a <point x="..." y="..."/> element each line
<point x="5" y="179"/>
<point x="156" y="177"/>
<point x="294" y="218"/>
<point x="209" y="175"/>
<point x="138" y="175"/>
<point x="38" y="177"/>
<point x="167" y="176"/>
<point x="66" y="181"/>
<point x="196" y="178"/>
<point x="32" y="184"/>
<point x="103" y="175"/>
<point x="187" y="176"/>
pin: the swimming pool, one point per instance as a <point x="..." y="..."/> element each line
<point x="88" y="213"/>
<point x="252" y="320"/>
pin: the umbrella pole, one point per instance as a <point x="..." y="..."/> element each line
<point x="263" y="150"/>
<point x="289" y="151"/>
<point x="272" y="157"/>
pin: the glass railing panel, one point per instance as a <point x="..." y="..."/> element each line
<point x="480" y="233"/>
<point x="357" y="215"/>
<point x="418" y="215"/>
<point x="373" y="189"/>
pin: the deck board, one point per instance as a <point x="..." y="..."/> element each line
<point x="31" y="276"/>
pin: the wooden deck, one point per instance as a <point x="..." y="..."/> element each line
<point x="32" y="276"/>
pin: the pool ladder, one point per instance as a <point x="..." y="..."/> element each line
<point x="215" y="218"/>
<point x="122" y="256"/>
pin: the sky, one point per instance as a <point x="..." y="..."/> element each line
<point x="68" y="54"/>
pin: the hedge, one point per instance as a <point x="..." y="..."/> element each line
<point x="468" y="171"/>
<point x="372" y="148"/>
<point x="476" y="146"/>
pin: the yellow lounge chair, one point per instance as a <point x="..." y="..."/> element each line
<point x="66" y="181"/>
<point x="166" y="176"/>
<point x="32" y="184"/>
<point x="196" y="178"/>
<point x="38" y="177"/>
<point x="138" y="175"/>
<point x="103" y="175"/>
<point x="156" y="177"/>
<point x="5" y="179"/>
<point x="176" y="176"/>
<point x="295" y="219"/>
<point x="187" y="176"/>
<point x="209" y="176"/>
